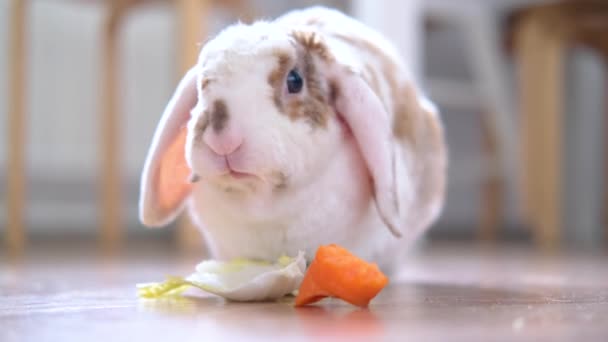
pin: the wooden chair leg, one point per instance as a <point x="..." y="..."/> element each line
<point x="110" y="202"/>
<point x="492" y="190"/>
<point x="604" y="219"/>
<point x="550" y="224"/>
<point x="192" y="18"/>
<point x="528" y="60"/>
<point x="16" y="237"/>
<point x="540" y="77"/>
<point x="606" y="149"/>
<point x="193" y="28"/>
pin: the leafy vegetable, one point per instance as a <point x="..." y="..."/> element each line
<point x="239" y="279"/>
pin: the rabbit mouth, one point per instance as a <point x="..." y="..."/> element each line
<point x="222" y="167"/>
<point x="234" y="172"/>
<point x="239" y="175"/>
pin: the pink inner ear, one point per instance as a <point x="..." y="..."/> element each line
<point x="172" y="183"/>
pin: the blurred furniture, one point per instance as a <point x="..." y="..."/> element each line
<point x="584" y="148"/>
<point x="489" y="93"/>
<point x="193" y="18"/>
<point x="543" y="33"/>
<point x="544" y="30"/>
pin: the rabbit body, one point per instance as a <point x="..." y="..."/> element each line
<point x="319" y="175"/>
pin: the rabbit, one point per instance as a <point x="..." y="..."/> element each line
<point x="294" y="133"/>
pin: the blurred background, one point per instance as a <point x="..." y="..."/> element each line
<point x="521" y="86"/>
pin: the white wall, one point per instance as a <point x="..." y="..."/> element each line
<point x="63" y="102"/>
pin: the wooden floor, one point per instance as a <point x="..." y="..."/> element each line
<point x="446" y="293"/>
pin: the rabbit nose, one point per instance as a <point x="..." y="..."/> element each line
<point x="223" y="144"/>
<point x="222" y="136"/>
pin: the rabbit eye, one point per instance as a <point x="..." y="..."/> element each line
<point x="294" y="82"/>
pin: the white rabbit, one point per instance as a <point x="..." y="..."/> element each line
<point x="302" y="131"/>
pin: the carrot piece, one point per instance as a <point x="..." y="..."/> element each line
<point x="335" y="272"/>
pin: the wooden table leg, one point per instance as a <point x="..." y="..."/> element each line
<point x="193" y="19"/>
<point x="540" y="76"/>
<point x="16" y="131"/>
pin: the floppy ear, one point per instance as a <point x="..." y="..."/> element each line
<point x="370" y="124"/>
<point x="164" y="184"/>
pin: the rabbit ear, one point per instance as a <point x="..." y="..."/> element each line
<point x="164" y="184"/>
<point x="370" y="124"/>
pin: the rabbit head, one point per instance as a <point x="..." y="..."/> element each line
<point x="260" y="116"/>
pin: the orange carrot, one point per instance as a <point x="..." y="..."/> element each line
<point x="335" y="272"/>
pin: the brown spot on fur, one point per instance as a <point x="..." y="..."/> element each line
<point x="219" y="116"/>
<point x="310" y="110"/>
<point x="277" y="76"/>
<point x="205" y="82"/>
<point x="312" y="42"/>
<point x="313" y="105"/>
<point x="406" y="111"/>
<point x="280" y="181"/>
